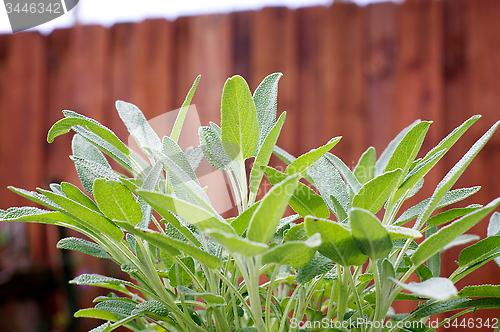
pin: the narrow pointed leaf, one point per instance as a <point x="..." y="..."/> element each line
<point x="329" y="183"/>
<point x="365" y="169"/>
<point x="213" y="150"/>
<point x="304" y="200"/>
<point x="239" y="124"/>
<point x="479" y="251"/>
<point x="208" y="297"/>
<point x="375" y="192"/>
<point x="453" y="175"/>
<point x="138" y="126"/>
<point x="268" y="215"/>
<point x="347" y="174"/>
<point x="96" y="313"/>
<point x="73" y="119"/>
<point x="87" y="247"/>
<point x="74" y="193"/>
<point x="87" y="216"/>
<point x="174" y="151"/>
<point x="237" y="244"/>
<point x="265" y="153"/>
<point x="179" y="121"/>
<point x="397" y="232"/>
<point x="451" y="214"/>
<point x="384" y="158"/>
<point x="480" y="291"/>
<point x="449" y="198"/>
<point x="448" y="233"/>
<point x="306" y="160"/>
<point x="265" y="99"/>
<point x="201" y="218"/>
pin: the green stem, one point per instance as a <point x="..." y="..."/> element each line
<point x="270" y="295"/>
<point x="377" y="290"/>
<point x="355" y="292"/>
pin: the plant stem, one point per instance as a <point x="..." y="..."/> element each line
<point x="270" y="295"/>
<point x="355" y="292"/>
<point x="377" y="290"/>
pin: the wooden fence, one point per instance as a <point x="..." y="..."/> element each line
<point x="363" y="73"/>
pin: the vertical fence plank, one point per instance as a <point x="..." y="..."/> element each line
<point x="22" y="100"/>
<point x="205" y="48"/>
<point x="342" y="87"/>
<point x="379" y="68"/>
<point x="142" y="69"/>
<point x="274" y="48"/>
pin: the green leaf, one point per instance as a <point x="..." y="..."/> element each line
<point x="178" y="276"/>
<point x="480" y="291"/>
<point x="336" y="241"/>
<point x="103" y="281"/>
<point x="494" y="224"/>
<point x="434" y="262"/>
<point x="75" y="194"/>
<point x="268" y="214"/>
<point x="347" y="174"/>
<point x="116" y="307"/>
<point x="181" y="116"/>
<point x="304" y="200"/>
<point x="181" y="179"/>
<point x="181" y="226"/>
<point x="90" y="163"/>
<point x="307" y="159"/>
<point x="102" y="328"/>
<point x="36" y="215"/>
<point x="194" y="156"/>
<point x="434" y="308"/>
<point x="154" y="307"/>
<point x="87" y="247"/>
<point x="416" y="176"/>
<point x="173" y="150"/>
<point x="296" y="233"/>
<point x="165" y="243"/>
<point x="479" y="251"/>
<point x="154" y="175"/>
<point x="96" y="313"/>
<point x="236" y="244"/>
<point x="239" y="123"/>
<point x="87" y="216"/>
<point x="265" y="100"/>
<point x="208" y="297"/>
<point x="447" y="142"/>
<point x="375" y="192"/>
<point x="387" y="273"/>
<point x="116" y="201"/>
<point x="448" y="233"/>
<point x="461" y="240"/>
<point x="89" y="171"/>
<point x="453" y="175"/>
<point x="213" y="150"/>
<point x="241" y="222"/>
<point x="449" y="198"/>
<point x="138" y="127"/>
<point x="370" y="237"/>
<point x="294" y="253"/>
<point x="365" y="168"/>
<point x="265" y="153"/>
<point x="195" y="215"/>
<point x="74" y="119"/>
<point x="451" y="214"/>
<point x="123" y="159"/>
<point x="329" y="183"/>
<point x="397" y="232"/>
<point x="439" y="289"/>
<point x="384" y="158"/>
<point x="319" y="264"/>
<point x="406" y="151"/>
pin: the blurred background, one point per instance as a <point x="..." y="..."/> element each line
<point x="363" y="71"/>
